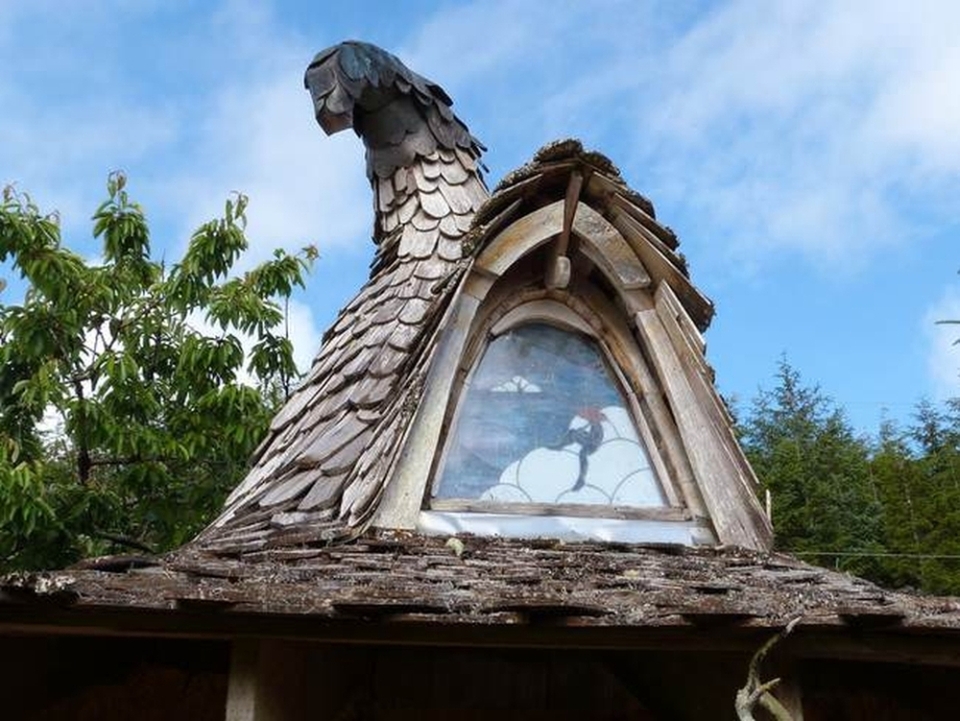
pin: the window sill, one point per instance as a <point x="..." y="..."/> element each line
<point x="566" y="528"/>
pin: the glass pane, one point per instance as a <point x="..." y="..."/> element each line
<point x="542" y="421"/>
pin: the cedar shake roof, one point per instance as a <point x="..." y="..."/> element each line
<point x="330" y="450"/>
<point x="405" y="587"/>
<point x="334" y="451"/>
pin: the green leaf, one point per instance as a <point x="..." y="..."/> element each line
<point x="156" y="428"/>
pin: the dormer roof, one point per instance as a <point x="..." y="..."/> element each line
<point x="651" y="256"/>
<point x="563" y="241"/>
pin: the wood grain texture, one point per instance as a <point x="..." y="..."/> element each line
<point x="492" y="584"/>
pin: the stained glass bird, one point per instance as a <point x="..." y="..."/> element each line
<point x="588" y="437"/>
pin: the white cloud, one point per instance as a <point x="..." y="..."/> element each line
<point x="796" y="127"/>
<point x="801" y="126"/>
<point x="239" y="120"/>
<point x="515" y="33"/>
<point x="304" y="334"/>
<point x="810" y="127"/>
<point x="260" y="139"/>
<point x="943" y="354"/>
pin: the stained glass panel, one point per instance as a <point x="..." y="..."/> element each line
<point x="542" y="421"/>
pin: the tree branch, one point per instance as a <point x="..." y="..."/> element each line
<point x="83" y="451"/>
<point x="125" y="541"/>
<point x="756" y="692"/>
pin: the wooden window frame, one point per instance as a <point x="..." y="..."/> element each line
<point x="571" y="312"/>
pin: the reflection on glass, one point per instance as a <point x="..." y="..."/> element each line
<point x="542" y="421"/>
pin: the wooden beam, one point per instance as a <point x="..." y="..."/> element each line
<point x="732" y="504"/>
<point x="608" y="249"/>
<point x="266" y="681"/>
<point x="521" y="237"/>
<point x="569" y="210"/>
<point x="664" y="513"/>
<point x="613" y="193"/>
<point x="702" y="381"/>
<point x="601" y="242"/>
<point x="286" y="680"/>
<point x="662" y="269"/>
<point x="668" y="303"/>
<point x="403" y="496"/>
<point x="242" y="684"/>
<point x="677" y="479"/>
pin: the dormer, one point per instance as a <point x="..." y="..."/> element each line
<point x="523" y="364"/>
<point x="570" y="396"/>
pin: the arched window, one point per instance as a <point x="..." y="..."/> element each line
<point x="542" y="420"/>
<point x="546" y="437"/>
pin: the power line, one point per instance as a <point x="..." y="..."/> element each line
<point x="867" y="554"/>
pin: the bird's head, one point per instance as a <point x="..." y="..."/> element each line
<point x="399" y="114"/>
<point x="592" y="414"/>
<point x="355" y="74"/>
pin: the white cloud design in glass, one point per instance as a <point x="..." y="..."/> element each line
<point x="542" y="421"/>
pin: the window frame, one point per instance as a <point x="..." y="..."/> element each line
<point x="570" y="311"/>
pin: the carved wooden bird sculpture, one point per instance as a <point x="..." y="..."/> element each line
<point x="331" y="449"/>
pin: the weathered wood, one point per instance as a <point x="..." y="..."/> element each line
<point x="668" y="303"/>
<point x="558" y="272"/>
<point x="267" y="681"/>
<point x="701" y="380"/>
<point x="667" y="452"/>
<point x="458" y="198"/>
<point x="242" y="685"/>
<point x="650" y="597"/>
<point x="690" y="355"/>
<point x="449" y="249"/>
<point x="287" y="489"/>
<point x="521" y="237"/>
<point x="615" y="194"/>
<point x="404" y="496"/>
<point x="324" y="493"/>
<point x="423" y="222"/>
<point x="606" y="247"/>
<point x="540" y="310"/>
<point x="663" y="238"/>
<point x="662" y="269"/>
<point x="733" y="507"/>
<point x="561" y="509"/>
<point x="570" y="201"/>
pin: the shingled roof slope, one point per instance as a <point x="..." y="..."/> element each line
<point x="402" y="586"/>
<point x="330" y="450"/>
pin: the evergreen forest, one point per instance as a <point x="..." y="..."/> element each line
<point x="885" y="507"/>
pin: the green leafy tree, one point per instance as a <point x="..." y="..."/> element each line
<point x="817" y="470"/>
<point x="154" y="420"/>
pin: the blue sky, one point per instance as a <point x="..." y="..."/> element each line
<point x="806" y="153"/>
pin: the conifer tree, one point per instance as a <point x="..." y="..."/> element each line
<point x="817" y="470"/>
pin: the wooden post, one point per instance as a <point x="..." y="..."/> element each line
<point x="711" y="448"/>
<point x="266" y="680"/>
<point x="242" y="686"/>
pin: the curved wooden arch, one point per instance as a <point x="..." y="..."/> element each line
<point x="600" y="241"/>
